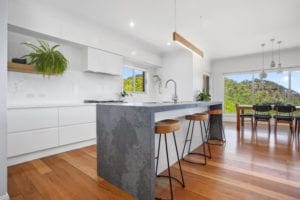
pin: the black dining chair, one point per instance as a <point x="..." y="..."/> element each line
<point x="284" y="114"/>
<point x="262" y="113"/>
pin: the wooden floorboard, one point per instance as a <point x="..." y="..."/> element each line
<point x="252" y="165"/>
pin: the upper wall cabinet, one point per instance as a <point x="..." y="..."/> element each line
<point x="103" y="62"/>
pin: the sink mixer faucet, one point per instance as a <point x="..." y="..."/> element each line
<point x="175" y="97"/>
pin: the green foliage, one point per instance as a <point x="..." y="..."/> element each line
<point x="128" y="85"/>
<point x="47" y="60"/>
<point x="266" y="92"/>
<point x="204" y="96"/>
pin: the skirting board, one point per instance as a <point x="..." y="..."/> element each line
<point x="4" y="197"/>
<point x="48" y="152"/>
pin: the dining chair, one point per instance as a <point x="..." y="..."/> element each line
<point x="262" y="113"/>
<point x="284" y="114"/>
<point x="248" y="115"/>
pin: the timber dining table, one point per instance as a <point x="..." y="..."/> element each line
<point x="240" y="109"/>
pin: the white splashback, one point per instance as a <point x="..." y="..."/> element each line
<point x="74" y="85"/>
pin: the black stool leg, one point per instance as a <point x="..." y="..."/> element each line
<point x="169" y="171"/>
<point x="206" y="140"/>
<point x="203" y="143"/>
<point x="157" y="158"/>
<point x="189" y="151"/>
<point x="183" y="185"/>
<point x="223" y="132"/>
<point x="186" y="139"/>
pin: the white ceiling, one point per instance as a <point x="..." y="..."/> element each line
<point x="221" y="28"/>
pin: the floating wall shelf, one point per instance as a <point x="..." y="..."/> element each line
<point x="25" y="68"/>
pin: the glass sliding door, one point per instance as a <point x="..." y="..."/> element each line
<point x="295" y="88"/>
<point x="274" y="89"/>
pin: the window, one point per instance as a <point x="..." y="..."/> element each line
<point x="295" y="88"/>
<point x="133" y="80"/>
<point x="248" y="88"/>
<point x="237" y="90"/>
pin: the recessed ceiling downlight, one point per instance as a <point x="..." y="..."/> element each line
<point x="131" y="24"/>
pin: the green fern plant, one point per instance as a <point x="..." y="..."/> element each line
<point x="46" y="59"/>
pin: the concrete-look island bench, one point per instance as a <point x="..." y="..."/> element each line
<point x="126" y="141"/>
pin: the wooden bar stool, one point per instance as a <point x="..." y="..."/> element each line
<point x="217" y="115"/>
<point x="163" y="128"/>
<point x="201" y="118"/>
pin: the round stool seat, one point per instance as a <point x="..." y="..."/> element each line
<point x="167" y="126"/>
<point x="197" y="117"/>
<point x="215" y="112"/>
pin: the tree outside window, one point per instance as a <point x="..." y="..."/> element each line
<point x="133" y="80"/>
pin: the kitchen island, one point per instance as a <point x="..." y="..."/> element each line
<point x="126" y="143"/>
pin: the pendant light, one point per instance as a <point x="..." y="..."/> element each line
<point x="263" y="74"/>
<point x="181" y="40"/>
<point x="273" y="64"/>
<point x="279" y="61"/>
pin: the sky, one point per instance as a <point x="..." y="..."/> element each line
<point x="128" y="72"/>
<point x="280" y="78"/>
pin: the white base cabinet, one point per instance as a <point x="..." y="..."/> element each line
<point x="31" y="141"/>
<point x="76" y="133"/>
<point x="37" y="129"/>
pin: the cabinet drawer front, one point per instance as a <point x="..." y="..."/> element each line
<point x="77" y="115"/>
<point x="77" y="133"/>
<point x="31" y="141"/>
<point x="29" y="119"/>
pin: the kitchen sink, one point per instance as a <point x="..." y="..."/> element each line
<point x="104" y="101"/>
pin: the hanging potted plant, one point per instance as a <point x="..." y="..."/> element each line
<point x="46" y="59"/>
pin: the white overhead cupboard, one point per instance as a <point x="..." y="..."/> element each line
<point x="38" y="129"/>
<point x="103" y="62"/>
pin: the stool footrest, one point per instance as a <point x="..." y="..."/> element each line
<point x="197" y="163"/>
<point x="172" y="177"/>
<point x="200" y="154"/>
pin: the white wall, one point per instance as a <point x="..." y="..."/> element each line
<point x="187" y="70"/>
<point x="74" y="85"/>
<point x="177" y="65"/>
<point x="3" y="72"/>
<point x="290" y="58"/>
<point x="201" y="66"/>
<point x="50" y="20"/>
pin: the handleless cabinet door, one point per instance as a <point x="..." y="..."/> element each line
<point x="31" y="119"/>
<point x="77" y="133"/>
<point x="31" y="141"/>
<point x="77" y="115"/>
<point x="104" y="62"/>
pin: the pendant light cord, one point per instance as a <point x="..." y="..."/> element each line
<point x="279" y="42"/>
<point x="272" y="40"/>
<point x="263" y="55"/>
<point x="175" y="15"/>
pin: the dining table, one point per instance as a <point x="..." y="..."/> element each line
<point x="241" y="108"/>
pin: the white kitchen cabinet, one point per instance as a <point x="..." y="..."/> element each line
<point x="103" y="62"/>
<point x="77" y="133"/>
<point x="76" y="115"/>
<point x="31" y="141"/>
<point x="32" y="130"/>
<point x="31" y="119"/>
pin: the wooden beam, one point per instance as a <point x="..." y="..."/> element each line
<point x="180" y="39"/>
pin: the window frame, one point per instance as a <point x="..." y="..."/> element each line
<point x="253" y="72"/>
<point x="145" y="79"/>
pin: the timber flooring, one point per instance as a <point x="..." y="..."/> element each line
<point x="252" y="165"/>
